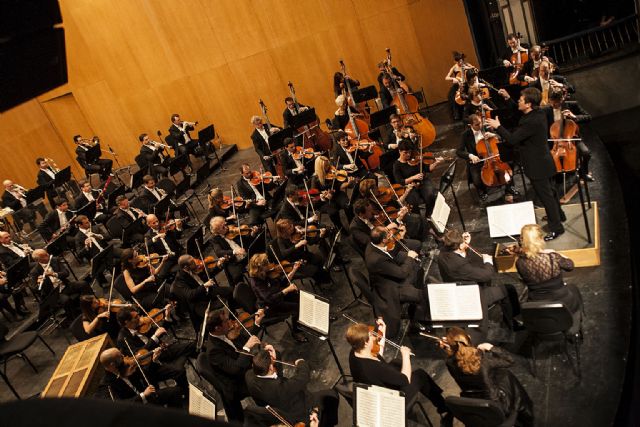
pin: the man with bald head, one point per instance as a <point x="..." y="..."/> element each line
<point x="10" y="251"/>
<point x="14" y="197"/>
<point x="127" y="383"/>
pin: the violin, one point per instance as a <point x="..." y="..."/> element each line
<point x="142" y="261"/>
<point x="210" y="262"/>
<point x="116" y="305"/>
<point x="339" y="175"/>
<point x="564" y="151"/>
<point x="235" y="328"/>
<point x="303" y="197"/>
<point x="147" y="322"/>
<point x="267" y="178"/>
<point x="235" y="231"/>
<point x="306" y="153"/>
<point x="274" y="270"/>
<point x="171" y="224"/>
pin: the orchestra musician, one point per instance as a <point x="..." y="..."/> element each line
<point x="127" y="215"/>
<point x="140" y="278"/>
<point x="514" y="49"/>
<point x="394" y="279"/>
<point x="260" y="138"/>
<point x="96" y="320"/>
<point x="257" y="197"/>
<point x="351" y="161"/>
<point x="6" y="291"/>
<point x="387" y="90"/>
<point x="291" y="110"/>
<point x="382" y="68"/>
<point x="57" y="222"/>
<point x="10" y="251"/>
<point x="368" y="367"/>
<point x="531" y="137"/>
<point x="341" y="116"/>
<point x="215" y="200"/>
<point x="339" y="83"/>
<point x="531" y="68"/>
<point x="482" y="373"/>
<point x="89" y="195"/>
<point x="150" y="193"/>
<point x="477" y="105"/>
<point x="164" y="241"/>
<point x="126" y="382"/>
<point x="179" y="131"/>
<point x="14" y="197"/>
<point x="289" y="396"/>
<point x="290" y="209"/>
<point x="97" y="165"/>
<point x="46" y="178"/>
<point x="230" y="359"/>
<point x="152" y="155"/>
<point x="224" y="246"/>
<point x="467" y="150"/>
<point x="333" y="196"/>
<point x="393" y="134"/>
<point x="88" y="244"/>
<point x="292" y="167"/>
<point x="456" y="76"/>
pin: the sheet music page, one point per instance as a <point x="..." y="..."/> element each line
<point x="442" y="297"/>
<point x="440" y="214"/>
<point x="314" y="312"/>
<point x="391" y="404"/>
<point x="367" y="407"/>
<point x="468" y="302"/>
<point x="508" y="219"/>
<point x="200" y="405"/>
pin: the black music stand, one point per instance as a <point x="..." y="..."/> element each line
<point x="136" y="178"/>
<point x="259" y="244"/>
<point x="178" y="163"/>
<point x="203" y="173"/>
<point x="303" y="118"/>
<point x="381" y="118"/>
<point x="111" y="198"/>
<point x="446" y="181"/>
<point x="206" y="137"/>
<point x="131" y="229"/>
<point x="365" y="94"/>
<point x="93" y="154"/>
<point x="162" y="206"/>
<point x="191" y="246"/>
<point x="62" y="177"/>
<point x="18" y="272"/>
<point x="101" y="261"/>
<point x="57" y="246"/>
<point x="276" y="141"/>
<point x="89" y="210"/>
<point x="34" y="194"/>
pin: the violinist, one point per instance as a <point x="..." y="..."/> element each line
<point x="168" y="359"/>
<point x="407" y="172"/>
<point x="293" y="166"/>
<point x="290" y="209"/>
<point x="531" y="137"/>
<point x="394" y="279"/>
<point x="127" y="215"/>
<point x="257" y="197"/>
<point x="15" y="197"/>
<point x="96" y="319"/>
<point x="467" y="150"/>
<point x="126" y="382"/>
<point x="393" y="133"/>
<point x="139" y="276"/>
<point x="289" y="396"/>
<point x="279" y="296"/>
<point x="89" y="195"/>
<point x="97" y="165"/>
<point x="260" y="139"/>
<point x="562" y="108"/>
<point x="227" y="247"/>
<point x="216" y="204"/>
<point x="291" y="110"/>
<point x="456" y="76"/>
<point x="369" y="367"/>
<point x="228" y="359"/>
<point x="153" y="156"/>
<point x="163" y="240"/>
<point x="333" y="194"/>
<point x="349" y="159"/>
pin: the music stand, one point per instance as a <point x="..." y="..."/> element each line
<point x="34" y="194"/>
<point x="182" y="187"/>
<point x="178" y="163"/>
<point x="58" y="245"/>
<point x="131" y="229"/>
<point x="206" y="134"/>
<point x="258" y="245"/>
<point x="303" y="118"/>
<point x="445" y="182"/>
<point x="62" y="177"/>
<point x="162" y="206"/>
<point x="365" y="94"/>
<point x="276" y="141"/>
<point x="93" y="154"/>
<point x="382" y="117"/>
<point x="136" y="178"/>
<point x="101" y="261"/>
<point x="18" y="271"/>
<point x="89" y="210"/>
<point x="111" y="198"/>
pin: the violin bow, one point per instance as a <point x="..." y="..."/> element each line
<point x="113" y="276"/>
<point x="380" y="205"/>
<point x="234" y="316"/>
<point x="273" y="360"/>
<point x="200" y="342"/>
<point x="394" y="190"/>
<point x="280" y="264"/>
<point x="335" y="178"/>
<point x="278" y="416"/>
<point x="206" y="271"/>
<point x="146" y="248"/>
<point x="504" y="232"/>
<point x="146" y="313"/>
<point x="468" y="245"/>
<point x="262" y="183"/>
<point x="137" y="363"/>
<point x="237" y="218"/>
<point x="376" y="334"/>
<point x="309" y="196"/>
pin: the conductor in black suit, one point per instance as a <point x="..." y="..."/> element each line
<point x="531" y="138"/>
<point x="260" y="138"/>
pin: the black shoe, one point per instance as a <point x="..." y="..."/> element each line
<point x="446" y="419"/>
<point x="552" y="235"/>
<point x="417" y="327"/>
<point x="588" y="177"/>
<point x="484" y="196"/>
<point x="514" y="192"/>
<point x="517" y="325"/>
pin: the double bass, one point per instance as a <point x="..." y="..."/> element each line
<point x="564" y="133"/>
<point x="494" y="172"/>
<point x="407" y="106"/>
<point x="313" y="136"/>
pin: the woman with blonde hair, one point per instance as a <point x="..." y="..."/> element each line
<point x="332" y="192"/>
<point x="541" y="271"/>
<point x="481" y="373"/>
<point x="215" y="199"/>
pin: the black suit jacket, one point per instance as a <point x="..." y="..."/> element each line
<point x="47" y="286"/>
<point x="286" y="395"/>
<point x="82" y="200"/>
<point x="43" y="178"/>
<point x="288" y="212"/>
<point x="287" y="116"/>
<point x="389" y="137"/>
<point x="10" y="201"/>
<point x="8" y="257"/>
<point x="150" y="156"/>
<point x="229" y="367"/>
<point x="456" y="268"/>
<point x="121" y="390"/>
<point x="246" y="192"/>
<point x="531" y="138"/>
<point x="134" y="341"/>
<point x="467" y="145"/>
<point x="261" y="146"/>
<point x="149" y="198"/>
<point x="178" y="136"/>
<point x="190" y="293"/>
<point x="171" y="238"/>
<point x="360" y="234"/>
<point x="81" y="156"/>
<point x="81" y="248"/>
<point x="51" y="224"/>
<point x="581" y="115"/>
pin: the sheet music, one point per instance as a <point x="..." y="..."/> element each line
<point x="508" y="219"/>
<point x="440" y="214"/>
<point x="200" y="405"/>
<point x="314" y="312"/>
<point x="379" y="407"/>
<point x="449" y="302"/>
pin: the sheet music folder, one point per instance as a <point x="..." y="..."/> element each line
<point x="450" y="302"/>
<point x="314" y="312"/>
<point x="375" y="406"/>
<point x="440" y="214"/>
<point x="201" y="403"/>
<point x="508" y="219"/>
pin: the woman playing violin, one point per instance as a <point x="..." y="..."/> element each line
<point x="279" y="296"/>
<point x="219" y="206"/>
<point x="138" y="274"/>
<point x="332" y="190"/>
<point x="96" y="319"/>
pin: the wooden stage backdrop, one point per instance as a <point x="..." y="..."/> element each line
<point x="131" y="63"/>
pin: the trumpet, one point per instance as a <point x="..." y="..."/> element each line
<point x="52" y="165"/>
<point x="20" y="189"/>
<point x="190" y="123"/>
<point x="158" y="144"/>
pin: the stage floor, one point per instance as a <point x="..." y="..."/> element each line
<point x="559" y="399"/>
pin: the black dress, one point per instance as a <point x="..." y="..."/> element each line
<point x="424" y="193"/>
<point x="496" y="383"/>
<point x="270" y="296"/>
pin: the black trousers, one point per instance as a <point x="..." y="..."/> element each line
<point x="426" y="193"/>
<point x="421" y="382"/>
<point x="545" y="190"/>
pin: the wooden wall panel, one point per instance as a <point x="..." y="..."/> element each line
<point x="132" y="63"/>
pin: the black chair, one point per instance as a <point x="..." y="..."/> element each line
<point x="203" y="368"/>
<point x="121" y="286"/>
<point x="77" y="329"/>
<point x="479" y="412"/>
<point x="142" y="163"/>
<point x="550" y="322"/>
<point x="258" y="416"/>
<point x="15" y="347"/>
<point x="359" y="276"/>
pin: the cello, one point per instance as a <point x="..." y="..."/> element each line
<point x="313" y="136"/>
<point x="494" y="172"/>
<point x="278" y="162"/>
<point x="564" y="133"/>
<point x="517" y="60"/>
<point x="407" y="106"/>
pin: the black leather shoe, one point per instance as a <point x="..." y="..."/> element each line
<point x="514" y="192"/>
<point x="552" y="235"/>
<point x="417" y="327"/>
<point x="589" y="177"/>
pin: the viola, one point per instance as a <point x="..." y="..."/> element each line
<point x="235" y="231"/>
<point x="142" y="261"/>
<point x="257" y="178"/>
<point x="304" y="197"/>
<point x="274" y="270"/>
<point x="210" y="262"/>
<point x="494" y="172"/>
<point x="339" y="175"/>
<point x="246" y="319"/>
<point x="238" y="202"/>
<point x="564" y="150"/>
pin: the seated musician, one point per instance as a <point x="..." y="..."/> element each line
<point x="164" y="241"/>
<point x="50" y="275"/>
<point x="150" y="193"/>
<point x="513" y="50"/>
<point x="387" y="91"/>
<point x="562" y="108"/>
<point x="89" y="195"/>
<point x="531" y="68"/>
<point x="260" y="139"/>
<point x="333" y="196"/>
<point x="89" y="243"/>
<point x="467" y="150"/>
<point x="289" y="396"/>
<point x="216" y="201"/>
<point x="458" y="264"/>
<point x="6" y="291"/>
<point x="405" y="172"/>
<point x="226" y="348"/>
<point x="394" y="278"/>
<point x="194" y="290"/>
<point x="294" y="168"/>
<point x="290" y="208"/>
<point x="547" y="81"/>
<point x="291" y="245"/>
<point x="96" y="320"/>
<point x="139" y="276"/>
<point x="291" y="110"/>
<point x="477" y="105"/>
<point x="224" y="246"/>
<point x="278" y="296"/>
<point x="126" y="215"/>
<point x="99" y="166"/>
<point x="169" y="360"/>
<point x="10" y="251"/>
<point x="393" y="134"/>
<point x="14" y="197"/>
<point x="349" y="159"/>
<point x="368" y="367"/>
<point x="125" y="382"/>
<point x="153" y="156"/>
<point x="57" y="222"/>
<point x="455" y="76"/>
<point x="257" y="197"/>
<point x="46" y="178"/>
<point x="180" y="132"/>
